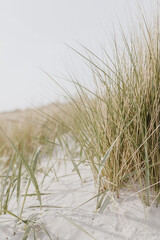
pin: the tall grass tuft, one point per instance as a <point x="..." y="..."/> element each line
<point x="118" y="123"/>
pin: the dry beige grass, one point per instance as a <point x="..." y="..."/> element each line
<point x="26" y="128"/>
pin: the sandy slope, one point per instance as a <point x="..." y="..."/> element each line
<point x="122" y="219"/>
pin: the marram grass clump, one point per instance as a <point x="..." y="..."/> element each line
<point x="118" y="123"/>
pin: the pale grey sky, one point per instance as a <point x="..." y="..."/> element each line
<point x="32" y="36"/>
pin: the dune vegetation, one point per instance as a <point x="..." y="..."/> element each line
<point x="118" y="123"/>
<point x="115" y="126"/>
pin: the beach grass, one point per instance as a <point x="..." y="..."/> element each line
<point x="117" y="120"/>
<point x="114" y="126"/>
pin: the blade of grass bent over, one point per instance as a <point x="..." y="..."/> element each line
<point x="34" y="163"/>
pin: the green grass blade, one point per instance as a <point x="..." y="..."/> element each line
<point x="29" y="170"/>
<point x="19" y="181"/>
<point x="27" y="231"/>
<point x="12" y="214"/>
<point x="105" y="204"/>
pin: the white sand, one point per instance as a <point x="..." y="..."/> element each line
<point x="122" y="219"/>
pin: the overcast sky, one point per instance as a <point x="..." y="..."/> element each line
<point x="32" y="37"/>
